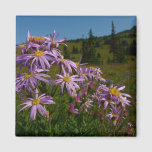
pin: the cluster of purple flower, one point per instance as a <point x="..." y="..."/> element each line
<point x="85" y="84"/>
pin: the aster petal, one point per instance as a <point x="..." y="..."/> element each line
<point x="42" y="63"/>
<point x="33" y="112"/>
<point x="68" y="88"/>
<point x="62" y="86"/>
<point x="42" y="79"/>
<point x="28" y="105"/>
<point x="121" y="88"/>
<point x="105" y="104"/>
<point x="46" y="61"/>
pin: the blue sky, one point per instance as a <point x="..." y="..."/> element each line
<point x="72" y="27"/>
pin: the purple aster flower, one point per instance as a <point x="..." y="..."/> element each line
<point x="84" y="91"/>
<point x="97" y="98"/>
<point x="29" y="80"/>
<point x="115" y="92"/>
<point x="91" y="84"/>
<point x="72" y="110"/>
<point x="100" y="78"/>
<point x="103" y="88"/>
<point x="39" y="58"/>
<point x="35" y="41"/>
<point x="115" y="113"/>
<point x="36" y="105"/>
<point x="24" y="48"/>
<point x="78" y="64"/>
<point x="77" y="97"/>
<point x="124" y="101"/>
<point x="83" y="72"/>
<point x="52" y="42"/>
<point x="68" y="81"/>
<point x="97" y="71"/>
<point x="65" y="63"/>
<point x="87" y="104"/>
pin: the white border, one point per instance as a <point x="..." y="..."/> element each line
<point x="8" y="11"/>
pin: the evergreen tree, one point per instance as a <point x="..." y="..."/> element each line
<point x="75" y="50"/>
<point x="88" y="49"/>
<point x="66" y="53"/>
<point x="98" y="55"/>
<point x="113" y="47"/>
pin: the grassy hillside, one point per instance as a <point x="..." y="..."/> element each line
<point x="102" y="45"/>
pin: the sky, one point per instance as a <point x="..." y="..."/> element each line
<point x="72" y="27"/>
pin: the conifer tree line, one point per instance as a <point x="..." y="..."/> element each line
<point x="88" y="49"/>
<point x="119" y="47"/>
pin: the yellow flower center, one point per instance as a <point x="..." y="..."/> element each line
<point x="28" y="75"/>
<point x="114" y="122"/>
<point x="91" y="67"/>
<point x="121" y="100"/>
<point x="53" y="41"/>
<point x="63" y="60"/>
<point x="44" y="114"/>
<point x="36" y="39"/>
<point x="36" y="101"/>
<point x="67" y="79"/>
<point x="83" y="74"/>
<point x="22" y="45"/>
<point x="114" y="92"/>
<point x="99" y="77"/>
<point x="39" y="54"/>
<point x="30" y="38"/>
<point x="86" y="103"/>
<point x="77" y="64"/>
<point x="115" y="114"/>
<point x="97" y="70"/>
<point x="74" y="95"/>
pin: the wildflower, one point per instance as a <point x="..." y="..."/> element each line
<point x="100" y="78"/>
<point x="29" y="80"/>
<point x="83" y="72"/>
<point x="78" y="64"/>
<point x="115" y="92"/>
<point x="52" y="42"/>
<point x="97" y="72"/>
<point x="35" y="41"/>
<point x="91" y="84"/>
<point x="97" y="98"/>
<point x="84" y="91"/>
<point x="39" y="58"/>
<point x="24" y="47"/>
<point x="65" y="63"/>
<point x="130" y="124"/>
<point x="126" y="113"/>
<point x="77" y="97"/>
<point x="124" y="101"/>
<point x="36" y="105"/>
<point x="72" y="110"/>
<point x="69" y="82"/>
<point x="115" y="113"/>
<point x="87" y="104"/>
<point x="107" y="100"/>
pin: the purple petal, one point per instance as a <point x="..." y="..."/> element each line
<point x="33" y="112"/>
